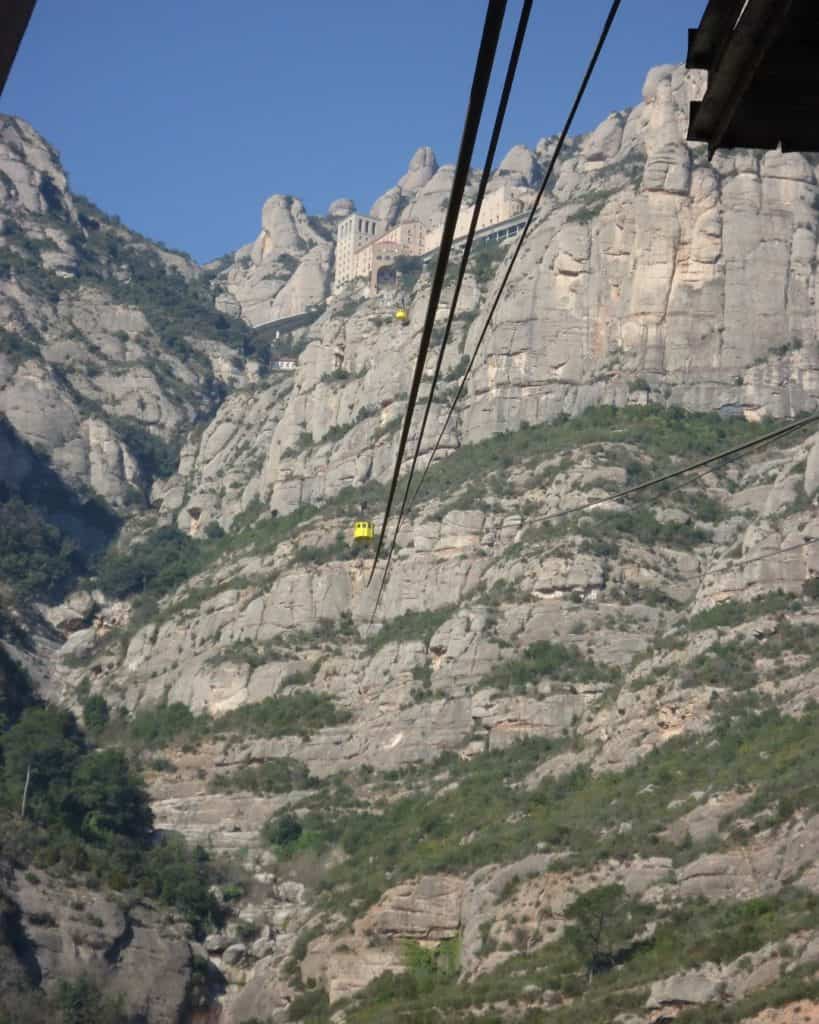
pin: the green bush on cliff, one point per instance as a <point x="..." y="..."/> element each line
<point x="35" y="557"/>
<point x="289" y="714"/>
<point x="547" y="660"/>
<point x="87" y="813"/>
<point x="154" y="566"/>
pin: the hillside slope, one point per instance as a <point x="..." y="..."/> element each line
<point x="566" y="771"/>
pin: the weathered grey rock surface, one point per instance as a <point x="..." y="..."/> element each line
<point x="65" y="932"/>
<point x="607" y="640"/>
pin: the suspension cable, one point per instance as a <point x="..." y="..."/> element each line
<point x="480" y="83"/>
<point x="522" y="237"/>
<point x="511" y="71"/>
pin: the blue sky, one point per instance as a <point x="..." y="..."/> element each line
<point x="183" y="116"/>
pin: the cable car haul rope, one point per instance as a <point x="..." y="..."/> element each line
<point x="491" y="32"/>
<point x="489" y="42"/>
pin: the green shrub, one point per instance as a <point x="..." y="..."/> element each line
<point x="38" y="559"/>
<point x="95" y="713"/>
<point x="277" y="775"/>
<point x="161" y="725"/>
<point x="283" y="831"/>
<point x="81" y="1002"/>
<point x="410" y="626"/>
<point x="290" y="714"/>
<point x="546" y="660"/>
<point x="299" y="713"/>
<point x="155" y="566"/>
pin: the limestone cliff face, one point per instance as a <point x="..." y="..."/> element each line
<point x="649" y="271"/>
<point x="658" y="656"/>
<point x="107" y="340"/>
<point x="285" y="270"/>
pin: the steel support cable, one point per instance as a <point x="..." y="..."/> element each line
<point x="750" y="561"/>
<point x="742" y="449"/>
<point x="727" y="461"/>
<point x="483" y="68"/>
<point x="522" y="237"/>
<point x="500" y="116"/>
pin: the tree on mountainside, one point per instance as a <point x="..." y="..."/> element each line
<point x="605" y="922"/>
<point x="108" y="799"/>
<point x="43" y="748"/>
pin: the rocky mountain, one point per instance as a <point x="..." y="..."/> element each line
<point x="566" y="770"/>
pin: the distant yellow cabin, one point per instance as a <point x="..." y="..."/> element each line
<point x="402" y="316"/>
<point x="363" y="530"/>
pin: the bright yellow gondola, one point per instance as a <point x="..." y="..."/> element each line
<point x="363" y="531"/>
<point x="402" y="316"/>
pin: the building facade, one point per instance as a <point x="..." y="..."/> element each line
<point x="363" y="247"/>
<point x="498" y="206"/>
<point x="353" y="234"/>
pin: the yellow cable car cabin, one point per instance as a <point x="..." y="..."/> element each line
<point x="363" y="531"/>
<point x="402" y="316"/>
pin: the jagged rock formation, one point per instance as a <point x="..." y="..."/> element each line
<point x="98" y="354"/>
<point x="63" y="932"/>
<point x="615" y="706"/>
<point x="285" y="270"/>
<point x="649" y="272"/>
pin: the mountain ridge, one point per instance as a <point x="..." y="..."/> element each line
<point x="549" y="719"/>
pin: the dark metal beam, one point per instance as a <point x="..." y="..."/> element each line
<point x="738" y="61"/>
<point x="706" y="42"/>
<point x="14" y="19"/>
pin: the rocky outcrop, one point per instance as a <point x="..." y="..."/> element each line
<point x="650" y="274"/>
<point x="723" y="984"/>
<point x="66" y="932"/>
<point x="97" y="366"/>
<point x="426" y="910"/>
<point x="285" y="271"/>
<point x="421" y="170"/>
<point x="520" y="167"/>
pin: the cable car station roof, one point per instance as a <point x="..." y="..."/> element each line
<point x="763" y="75"/>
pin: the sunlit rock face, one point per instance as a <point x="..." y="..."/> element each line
<point x="623" y="643"/>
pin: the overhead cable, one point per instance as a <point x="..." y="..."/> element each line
<point x="736" y="450"/>
<point x="523" y="234"/>
<point x="750" y="561"/>
<point x="480" y="83"/>
<point x="489" y="161"/>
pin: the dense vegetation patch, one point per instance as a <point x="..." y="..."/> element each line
<point x="298" y="713"/>
<point x="38" y="559"/>
<point x="547" y="660"/>
<point x="47" y="532"/>
<point x="154" y="566"/>
<point x="276" y="775"/>
<point x="85" y="812"/>
<point x="578" y="814"/>
<point x="410" y="626"/>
